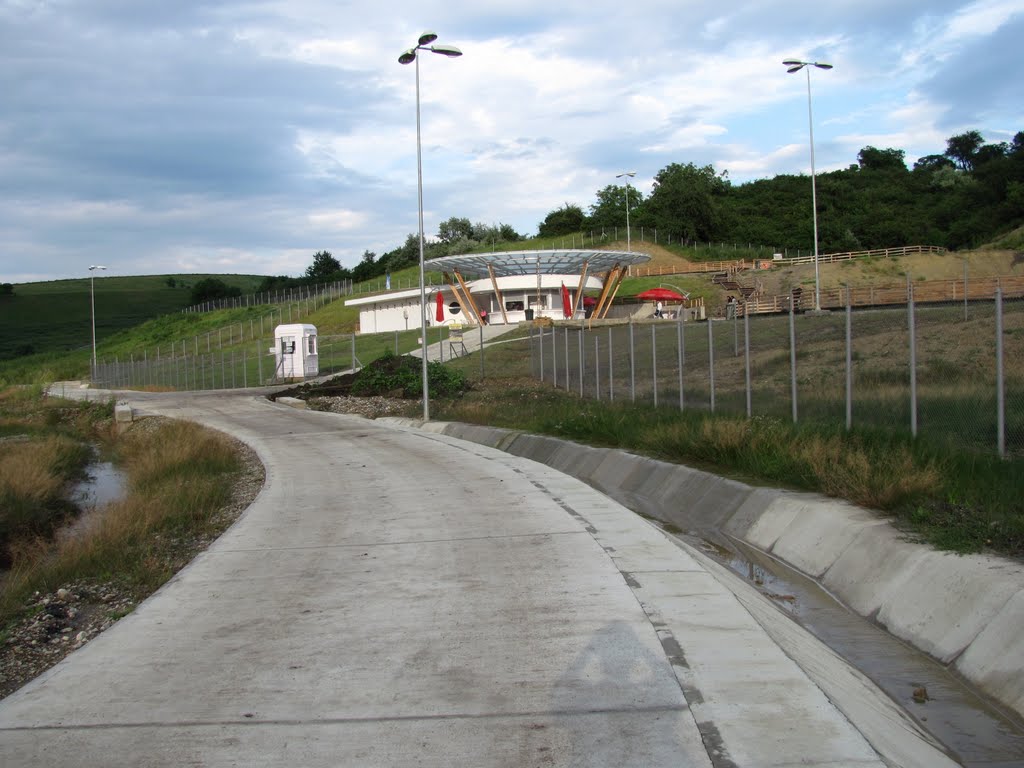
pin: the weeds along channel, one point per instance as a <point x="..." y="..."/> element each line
<point x="180" y="478"/>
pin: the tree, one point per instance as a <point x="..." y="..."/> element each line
<point x="610" y="208"/>
<point x="963" y="147"/>
<point x="930" y="163"/>
<point x="367" y="268"/>
<point x="873" y="159"/>
<point x="1017" y="145"/>
<point x="6" y="289"/>
<point x="324" y="266"/>
<point x="454" y="229"/>
<point x="562" y="221"/>
<point x="686" y="201"/>
<point x="507" y="234"/>
<point x="212" y="289"/>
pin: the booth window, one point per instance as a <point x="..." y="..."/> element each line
<point x="287" y="346"/>
<point x="514" y="306"/>
<point x="311" y="350"/>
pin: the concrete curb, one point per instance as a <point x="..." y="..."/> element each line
<point x="962" y="610"/>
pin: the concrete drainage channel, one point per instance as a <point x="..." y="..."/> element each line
<point x="958" y="669"/>
<point x="965" y="722"/>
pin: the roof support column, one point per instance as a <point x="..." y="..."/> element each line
<point x="579" y="288"/>
<point x="497" y="293"/>
<point x="458" y="296"/>
<point x="469" y="299"/>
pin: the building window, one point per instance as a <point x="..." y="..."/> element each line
<point x="514" y="306"/>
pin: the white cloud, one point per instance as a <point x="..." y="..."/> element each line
<point x="246" y="136"/>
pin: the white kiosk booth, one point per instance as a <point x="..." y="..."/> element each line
<point x="295" y="352"/>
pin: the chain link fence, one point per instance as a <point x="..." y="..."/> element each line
<point x="949" y="371"/>
<point x="228" y="359"/>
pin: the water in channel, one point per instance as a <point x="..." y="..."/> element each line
<point x="974" y="730"/>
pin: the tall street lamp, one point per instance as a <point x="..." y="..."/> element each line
<point x="629" y="175"/>
<point x="424" y="44"/>
<point x="795" y="65"/>
<point x="92" y="302"/>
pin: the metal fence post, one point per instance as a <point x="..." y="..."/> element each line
<point x="597" y="367"/>
<point x="681" y="359"/>
<point x="654" y="363"/>
<point x="554" y="357"/>
<point x="259" y="361"/>
<point x="849" y="361"/>
<point x="353" y="352"/>
<point x="580" y="337"/>
<point x="711" y="363"/>
<point x="913" y="358"/>
<point x="611" y="369"/>
<point x="792" y="356"/>
<point x="632" y="363"/>
<point x="1000" y="383"/>
<point x="746" y="355"/>
<point x="541" y="354"/>
<point x="565" y="341"/>
<point x="482" y="350"/>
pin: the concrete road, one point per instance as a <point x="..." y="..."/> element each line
<point x="400" y="598"/>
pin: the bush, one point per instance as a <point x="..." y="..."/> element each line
<point x="402" y="376"/>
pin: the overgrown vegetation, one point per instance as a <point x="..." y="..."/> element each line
<point x="390" y="375"/>
<point x="179" y="477"/>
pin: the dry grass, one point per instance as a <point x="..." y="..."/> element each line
<point x="178" y="479"/>
<point x="34" y="476"/>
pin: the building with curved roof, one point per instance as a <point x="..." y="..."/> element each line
<point x="505" y="287"/>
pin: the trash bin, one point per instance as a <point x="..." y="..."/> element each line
<point x="529" y="314"/>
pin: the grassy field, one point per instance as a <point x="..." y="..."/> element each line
<point x="55" y="316"/>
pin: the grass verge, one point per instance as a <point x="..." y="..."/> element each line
<point x="179" y="478"/>
<point x="955" y="499"/>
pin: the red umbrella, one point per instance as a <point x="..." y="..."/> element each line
<point x="660" y="294"/>
<point x="566" y="302"/>
<point x="589" y="301"/>
<point x="440" y="307"/>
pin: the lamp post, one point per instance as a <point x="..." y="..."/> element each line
<point x="92" y="303"/>
<point x="795" y="65"/>
<point x="629" y="175"/>
<point x="424" y="44"/>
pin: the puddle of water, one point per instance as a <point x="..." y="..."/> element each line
<point x="972" y="728"/>
<point x="104" y="484"/>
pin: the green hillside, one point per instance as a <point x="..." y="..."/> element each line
<point x="54" y="316"/>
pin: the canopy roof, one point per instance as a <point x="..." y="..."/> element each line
<point x="508" y="263"/>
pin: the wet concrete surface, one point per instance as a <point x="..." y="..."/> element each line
<point x="974" y="730"/>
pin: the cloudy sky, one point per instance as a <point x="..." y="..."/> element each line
<point x="244" y="135"/>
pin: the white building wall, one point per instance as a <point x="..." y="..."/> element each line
<point x="399" y="311"/>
